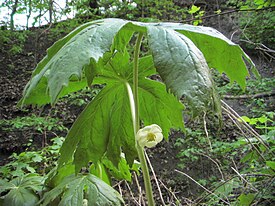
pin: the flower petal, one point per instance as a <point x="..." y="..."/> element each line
<point x="149" y="136"/>
<point x="151" y="144"/>
<point x="155" y="128"/>
<point x="141" y="134"/>
<point x="159" y="137"/>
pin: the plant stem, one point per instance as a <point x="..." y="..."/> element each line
<point x="140" y="150"/>
<point x="135" y="80"/>
<point x="146" y="176"/>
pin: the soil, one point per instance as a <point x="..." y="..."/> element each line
<point x="15" y="72"/>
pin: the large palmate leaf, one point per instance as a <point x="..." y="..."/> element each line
<point x="104" y="128"/>
<point x="95" y="53"/>
<point x="99" y="129"/>
<point x="219" y="52"/>
<point x="159" y="107"/>
<point x="67" y="58"/>
<point x="75" y="190"/>
<point x="22" y="190"/>
<point x="188" y="74"/>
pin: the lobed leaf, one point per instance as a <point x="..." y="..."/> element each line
<point x="77" y="56"/>
<point x="159" y="107"/>
<point x="104" y="128"/>
<point x="73" y="190"/>
<point x="182" y="67"/>
<point x="66" y="58"/>
<point x="22" y="190"/>
<point x="219" y="52"/>
<point x="95" y="53"/>
<point x="21" y="197"/>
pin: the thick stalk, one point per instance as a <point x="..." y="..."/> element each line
<point x="135" y="80"/>
<point x="140" y="150"/>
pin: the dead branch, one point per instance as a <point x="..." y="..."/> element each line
<point x="250" y="96"/>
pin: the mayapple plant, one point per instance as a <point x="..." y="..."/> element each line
<point x="106" y="138"/>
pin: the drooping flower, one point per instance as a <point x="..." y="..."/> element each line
<point x="149" y="136"/>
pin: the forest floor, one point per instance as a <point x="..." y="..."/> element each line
<point x="170" y="169"/>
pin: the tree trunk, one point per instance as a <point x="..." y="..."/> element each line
<point x="142" y="9"/>
<point x="13" y="12"/>
<point x="93" y="4"/>
<point x="29" y="13"/>
<point x="50" y="11"/>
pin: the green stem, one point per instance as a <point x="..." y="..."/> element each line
<point x="140" y="150"/>
<point x="135" y="79"/>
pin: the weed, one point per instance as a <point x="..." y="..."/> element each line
<point x="39" y="124"/>
<point x="247" y="167"/>
<point x="13" y="41"/>
<point x="41" y="161"/>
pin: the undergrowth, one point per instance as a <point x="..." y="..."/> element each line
<point x="239" y="171"/>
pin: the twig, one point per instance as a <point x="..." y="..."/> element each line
<point x="234" y="163"/>
<point x="119" y="188"/>
<point x="244" y="179"/>
<point x="206" y="132"/>
<point x="251" y="96"/>
<point x="218" y="166"/>
<point x="140" y="199"/>
<point x="226" y="12"/>
<point x="231" y="37"/>
<point x="156" y="180"/>
<point x="202" y="187"/>
<point x="248" y="128"/>
<point x="246" y="137"/>
<point x="258" y="46"/>
<point x="172" y="193"/>
<point x="269" y="183"/>
<point x="266" y="50"/>
<point x="131" y="193"/>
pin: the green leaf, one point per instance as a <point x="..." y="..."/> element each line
<point x="271" y="164"/>
<point x="104" y="128"/>
<point x="74" y="189"/>
<point x="22" y="190"/>
<point x="101" y="172"/>
<point x="67" y="58"/>
<point x="39" y="94"/>
<point x="194" y="9"/>
<point x="5" y="185"/>
<point x="29" y="181"/>
<point x="219" y="52"/>
<point x="77" y="55"/>
<point x="246" y="199"/>
<point x="121" y="172"/>
<point x="95" y="53"/>
<point x="226" y="189"/>
<point x="245" y="118"/>
<point x="21" y="197"/>
<point x="182" y="67"/>
<point x="159" y="107"/>
<point x="56" y="176"/>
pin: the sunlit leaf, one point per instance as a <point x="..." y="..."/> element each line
<point x="182" y="67"/>
<point x="271" y="164"/>
<point x="219" y="52"/>
<point x="66" y="59"/>
<point x="246" y="199"/>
